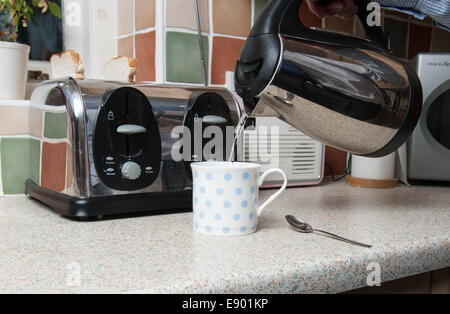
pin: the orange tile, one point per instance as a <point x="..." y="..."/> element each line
<point x="125" y="47"/>
<point x="145" y="54"/>
<point x="336" y="160"/>
<point x="69" y="173"/>
<point x="224" y="56"/>
<point x="53" y="176"/>
<point x="338" y="24"/>
<point x="308" y="18"/>
<point x="232" y="17"/>
<point x="144" y="14"/>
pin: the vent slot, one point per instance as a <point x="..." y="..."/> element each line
<point x="298" y="155"/>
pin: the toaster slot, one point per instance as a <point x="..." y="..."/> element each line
<point x="130" y="159"/>
<point x="208" y="110"/>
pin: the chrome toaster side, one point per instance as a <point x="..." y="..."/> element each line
<point x="119" y="144"/>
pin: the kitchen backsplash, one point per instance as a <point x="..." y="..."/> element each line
<point x="26" y="144"/>
<point x="225" y="25"/>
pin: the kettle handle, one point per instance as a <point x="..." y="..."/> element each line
<point x="281" y="16"/>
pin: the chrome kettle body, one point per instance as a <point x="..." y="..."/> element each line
<point x="344" y="91"/>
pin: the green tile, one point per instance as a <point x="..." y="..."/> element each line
<point x="259" y="6"/>
<point x="399" y="34"/>
<point x="1" y="185"/>
<point x="183" y="63"/>
<point x="20" y="160"/>
<point x="55" y="125"/>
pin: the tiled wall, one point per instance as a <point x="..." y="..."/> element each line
<point x="136" y="31"/>
<point x="225" y="25"/>
<point x="28" y="137"/>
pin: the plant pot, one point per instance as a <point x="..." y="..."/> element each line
<point x="14" y="70"/>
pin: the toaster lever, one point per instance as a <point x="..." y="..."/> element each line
<point x="214" y="119"/>
<point x="131" y="129"/>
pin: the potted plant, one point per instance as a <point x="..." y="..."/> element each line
<point x="14" y="56"/>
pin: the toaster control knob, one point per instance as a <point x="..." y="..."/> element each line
<point x="131" y="170"/>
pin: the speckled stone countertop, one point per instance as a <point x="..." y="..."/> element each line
<point x="408" y="226"/>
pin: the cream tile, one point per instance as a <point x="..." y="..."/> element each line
<point x="125" y="17"/>
<point x="35" y="122"/>
<point x="14" y="120"/>
<point x="181" y="13"/>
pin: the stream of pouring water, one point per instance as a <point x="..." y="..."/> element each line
<point x="237" y="134"/>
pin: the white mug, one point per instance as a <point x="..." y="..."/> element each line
<point x="226" y="197"/>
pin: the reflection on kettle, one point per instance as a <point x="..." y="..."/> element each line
<point x="344" y="91"/>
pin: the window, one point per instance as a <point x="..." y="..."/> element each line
<point x="44" y="35"/>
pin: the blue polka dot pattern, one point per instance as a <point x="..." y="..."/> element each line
<point x="228" y="177"/>
<point x="251" y="216"/>
<point x="244" y="204"/>
<point x="238" y="191"/>
<point x="209" y="204"/>
<point x="196" y="226"/>
<point x="253" y="190"/>
<point x="202" y="215"/>
<point x="218" y="217"/>
<point x="256" y="201"/>
<point x="227" y="205"/>
<point x="219" y="192"/>
<point x="196" y="174"/>
<point x="226" y="230"/>
<point x="195" y="201"/>
<point x="237" y="217"/>
<point x="245" y="176"/>
<point x="202" y="190"/>
<point x="208" y="229"/>
<point x="243" y="229"/>
<point x="254" y="227"/>
<point x="209" y="176"/>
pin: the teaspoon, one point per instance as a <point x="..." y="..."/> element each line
<point x="303" y="227"/>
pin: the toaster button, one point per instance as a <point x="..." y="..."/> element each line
<point x="131" y="170"/>
<point x="110" y="172"/>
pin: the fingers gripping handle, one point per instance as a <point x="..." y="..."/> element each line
<point x="281" y="16"/>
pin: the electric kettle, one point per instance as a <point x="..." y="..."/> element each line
<point x="344" y="91"/>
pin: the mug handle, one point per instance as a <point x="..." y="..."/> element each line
<point x="277" y="194"/>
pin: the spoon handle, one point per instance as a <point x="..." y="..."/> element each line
<point x="335" y="236"/>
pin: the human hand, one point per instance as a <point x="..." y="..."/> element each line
<point x="342" y="8"/>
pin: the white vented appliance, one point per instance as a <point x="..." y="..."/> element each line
<point x="301" y="157"/>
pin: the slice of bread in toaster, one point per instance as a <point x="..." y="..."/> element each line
<point x="67" y="63"/>
<point x="121" y="69"/>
